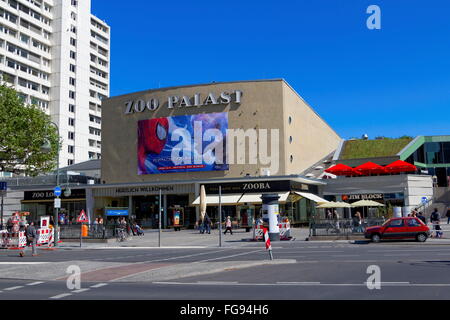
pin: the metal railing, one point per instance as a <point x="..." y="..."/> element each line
<point x="342" y="227"/>
<point x="95" y="231"/>
<point x="49" y="180"/>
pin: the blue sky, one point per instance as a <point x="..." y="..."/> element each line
<point x="391" y="82"/>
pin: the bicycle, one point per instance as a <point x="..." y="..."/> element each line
<point x="120" y="234"/>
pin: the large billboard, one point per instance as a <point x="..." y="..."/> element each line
<point x="182" y="143"/>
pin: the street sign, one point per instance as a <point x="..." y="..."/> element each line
<point x="424" y="200"/>
<point x="57" y="191"/>
<point x="57" y="203"/>
<point x="82" y="217"/>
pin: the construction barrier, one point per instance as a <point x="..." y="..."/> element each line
<point x="44" y="236"/>
<point x="285" y="230"/>
<point x="13" y="240"/>
<point x="258" y="232"/>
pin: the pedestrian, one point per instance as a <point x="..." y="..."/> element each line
<point x="448" y="214"/>
<point x="435" y="219"/>
<point x="207" y="224"/>
<point x="31" y="236"/>
<point x="359" y="222"/>
<point x="422" y="217"/>
<point x="200" y="226"/>
<point x="228" y="226"/>
<point x="336" y="219"/>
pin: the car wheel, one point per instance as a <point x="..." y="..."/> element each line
<point x="421" y="237"/>
<point x="376" y="238"/>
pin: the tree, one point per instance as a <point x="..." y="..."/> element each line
<point x="23" y="131"/>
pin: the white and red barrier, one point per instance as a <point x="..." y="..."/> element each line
<point x="285" y="230"/>
<point x="44" y="236"/>
<point x="267" y="241"/>
<point x="18" y="240"/>
<point x="258" y="232"/>
<point x="13" y="240"/>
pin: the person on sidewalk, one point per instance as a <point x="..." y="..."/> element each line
<point x="448" y="215"/>
<point x="31" y="236"/>
<point x="207" y="224"/>
<point x="435" y="219"/>
<point x="422" y="217"/>
<point x="228" y="226"/>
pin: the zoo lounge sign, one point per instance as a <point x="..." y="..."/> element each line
<point x="152" y="104"/>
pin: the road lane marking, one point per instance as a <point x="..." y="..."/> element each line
<point x="217" y="282"/>
<point x="99" y="285"/>
<point x="35" y="283"/>
<point x="13" y="288"/>
<point x="81" y="290"/>
<point x="59" y="296"/>
<point x="298" y="283"/>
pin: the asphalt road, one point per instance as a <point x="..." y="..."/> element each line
<point x="321" y="271"/>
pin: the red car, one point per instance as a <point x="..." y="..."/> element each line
<point x="399" y="229"/>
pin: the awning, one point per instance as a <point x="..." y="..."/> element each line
<point x="232" y="199"/>
<point x="311" y="197"/>
<point x="256" y="198"/>
<point x="214" y="199"/>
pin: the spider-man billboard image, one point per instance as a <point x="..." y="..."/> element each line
<point x="183" y="143"/>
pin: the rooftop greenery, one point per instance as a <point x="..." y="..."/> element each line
<point x="381" y="147"/>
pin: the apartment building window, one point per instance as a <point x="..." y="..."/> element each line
<point x="74" y="3"/>
<point x="73" y="42"/>
<point x="71" y="149"/>
<point x="72" y="94"/>
<point x="70" y="162"/>
<point x="91" y="155"/>
<point x="72" y="81"/>
<point x="45" y="90"/>
<point x="71" y="122"/>
<point x="71" y="108"/>
<point x="73" y="15"/>
<point x="73" y="54"/>
<point x="71" y="135"/>
<point x="73" y="29"/>
<point x="72" y="68"/>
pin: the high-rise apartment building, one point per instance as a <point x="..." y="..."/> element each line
<point x="57" y="55"/>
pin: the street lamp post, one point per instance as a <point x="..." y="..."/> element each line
<point x="47" y="148"/>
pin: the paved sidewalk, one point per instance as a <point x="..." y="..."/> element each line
<point x="185" y="239"/>
<point x="240" y="238"/>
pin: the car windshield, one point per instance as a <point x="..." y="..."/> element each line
<point x="386" y="223"/>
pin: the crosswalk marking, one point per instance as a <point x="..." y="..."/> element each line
<point x="13" y="288"/>
<point x="59" y="296"/>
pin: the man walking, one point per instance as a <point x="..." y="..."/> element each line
<point x="31" y="235"/>
<point x="207" y="224"/>
<point x="435" y="219"/>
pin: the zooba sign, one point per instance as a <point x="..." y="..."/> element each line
<point x="198" y="100"/>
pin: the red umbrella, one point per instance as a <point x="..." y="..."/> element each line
<point x="400" y="166"/>
<point x="370" y="168"/>
<point x="341" y="170"/>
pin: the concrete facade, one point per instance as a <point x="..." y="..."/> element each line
<point x="265" y="104"/>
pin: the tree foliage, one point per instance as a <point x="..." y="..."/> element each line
<point x="23" y="131"/>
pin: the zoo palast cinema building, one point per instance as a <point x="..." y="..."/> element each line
<point x="176" y="139"/>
